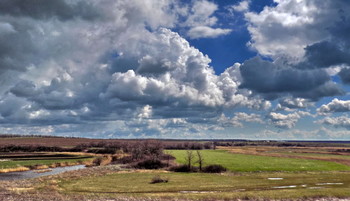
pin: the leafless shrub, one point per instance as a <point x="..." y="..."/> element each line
<point x="183" y="168"/>
<point x="157" y="179"/>
<point x="214" y="169"/>
<point x="150" y="164"/>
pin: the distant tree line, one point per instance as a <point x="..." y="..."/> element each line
<point x="150" y="146"/>
<point x="138" y="148"/>
<point x="35" y="148"/>
<point x="33" y="136"/>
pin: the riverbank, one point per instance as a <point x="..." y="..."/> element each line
<point x="12" y="176"/>
<point x="19" y="162"/>
<point x="45" y="188"/>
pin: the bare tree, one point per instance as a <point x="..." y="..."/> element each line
<point x="189" y="158"/>
<point x="167" y="153"/>
<point x="156" y="149"/>
<point x="214" y="145"/>
<point x="200" y="159"/>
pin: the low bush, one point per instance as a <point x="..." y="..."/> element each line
<point x="183" y="168"/>
<point x="214" y="169"/>
<point x="167" y="157"/>
<point x="124" y="160"/>
<point x="102" y="151"/>
<point x="97" y="161"/>
<point x="150" y="164"/>
<point x="157" y="179"/>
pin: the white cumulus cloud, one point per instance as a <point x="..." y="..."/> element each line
<point x="207" y="32"/>
<point x="335" y="105"/>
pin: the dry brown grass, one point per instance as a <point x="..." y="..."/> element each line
<point x="17" y="169"/>
<point x="41" y="167"/>
<point x="106" y="160"/>
<point x="289" y="151"/>
<point x="20" y="190"/>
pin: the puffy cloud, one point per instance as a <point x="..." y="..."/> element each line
<point x="145" y="112"/>
<point x="66" y="69"/>
<point x="201" y="14"/>
<point x="333" y="134"/>
<point x="344" y="75"/>
<point x="183" y="78"/>
<point x="28" y="130"/>
<point x="334" y="50"/>
<point x="155" y="14"/>
<point x="114" y="68"/>
<point x="292" y="25"/>
<point x="42" y="9"/>
<point x="188" y="80"/>
<point x="241" y="6"/>
<point x="201" y="19"/>
<point x="317" y="134"/>
<point x="276" y="79"/>
<point x="306" y="41"/>
<point x="207" y="32"/>
<point x="264" y="76"/>
<point x="283" y="121"/>
<point x="293" y="103"/>
<point x="337" y="122"/>
<point x="238" y="119"/>
<point x="286" y="120"/>
<point x="308" y="34"/>
<point x="229" y="82"/>
<point x="335" y="106"/>
<point x="325" y="54"/>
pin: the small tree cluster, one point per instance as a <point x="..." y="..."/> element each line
<point x="196" y="158"/>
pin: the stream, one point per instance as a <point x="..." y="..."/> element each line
<point x="11" y="176"/>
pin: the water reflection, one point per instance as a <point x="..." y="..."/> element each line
<point x="10" y="176"/>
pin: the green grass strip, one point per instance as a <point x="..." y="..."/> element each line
<point x="252" y="163"/>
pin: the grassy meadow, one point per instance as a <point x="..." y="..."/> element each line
<point x="253" y="163"/>
<point x="213" y="186"/>
<point x="249" y="177"/>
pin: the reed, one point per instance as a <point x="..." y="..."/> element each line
<point x="40" y="167"/>
<point x="16" y="169"/>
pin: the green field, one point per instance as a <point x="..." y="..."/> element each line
<point x="252" y="163"/>
<point x="201" y="185"/>
<point x="28" y="161"/>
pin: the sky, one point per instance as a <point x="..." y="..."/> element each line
<point x="200" y="69"/>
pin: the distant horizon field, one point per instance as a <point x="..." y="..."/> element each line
<point x="252" y="163"/>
